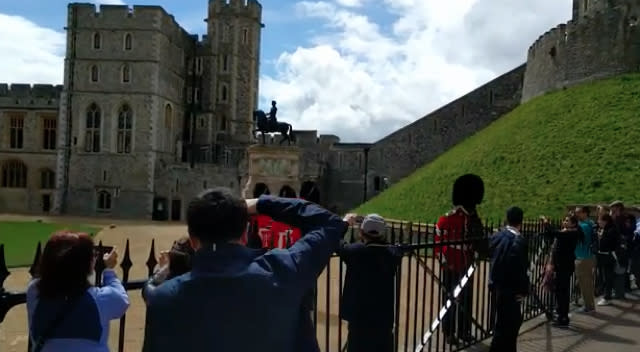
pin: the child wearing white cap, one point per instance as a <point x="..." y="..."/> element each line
<point x="369" y="288"/>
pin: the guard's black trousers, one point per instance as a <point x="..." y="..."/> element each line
<point x="369" y="339"/>
<point x="508" y="322"/>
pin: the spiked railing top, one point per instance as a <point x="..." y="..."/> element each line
<point x="151" y="261"/>
<point x="126" y="263"/>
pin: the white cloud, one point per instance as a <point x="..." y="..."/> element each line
<point x="350" y="3"/>
<point x="366" y="77"/>
<point x="30" y="54"/>
<point x="109" y="2"/>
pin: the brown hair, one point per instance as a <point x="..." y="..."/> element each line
<point x="605" y="218"/>
<point x="180" y="257"/>
<point x="65" y="265"/>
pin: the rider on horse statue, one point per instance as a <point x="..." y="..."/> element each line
<point x="270" y="124"/>
<point x="273" y="121"/>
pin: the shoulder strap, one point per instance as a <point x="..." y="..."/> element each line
<point x="66" y="308"/>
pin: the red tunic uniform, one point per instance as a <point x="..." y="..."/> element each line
<point x="452" y="227"/>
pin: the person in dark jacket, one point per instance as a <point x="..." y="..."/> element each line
<point x="236" y="299"/>
<point x="369" y="288"/>
<point x="608" y="242"/>
<point x="172" y="263"/>
<point x="508" y="281"/>
<point x="563" y="260"/>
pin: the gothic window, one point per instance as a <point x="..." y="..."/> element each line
<point x="95" y="74"/>
<point x="93" y="126"/>
<point x="14" y="174"/>
<point x="225" y="63"/>
<point x="168" y="126"/>
<point x="199" y="66"/>
<point x="104" y="201"/>
<point x="16" y="132"/>
<point x="97" y="41"/>
<point x="224" y="93"/>
<point x="128" y="42"/>
<point x="376" y="183"/>
<point x="125" y="117"/>
<point x="126" y="74"/>
<point x="49" y="134"/>
<point x="245" y="36"/>
<point x="223" y="123"/>
<point x="47" y="179"/>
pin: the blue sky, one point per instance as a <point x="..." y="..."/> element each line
<point x="359" y="69"/>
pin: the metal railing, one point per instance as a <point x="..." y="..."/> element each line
<point x="426" y="302"/>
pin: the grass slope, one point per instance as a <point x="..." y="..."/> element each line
<point x="579" y="145"/>
<point x="21" y="239"/>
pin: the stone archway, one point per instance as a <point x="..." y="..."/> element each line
<point x="287" y="192"/>
<point x="310" y="192"/>
<point x="260" y="189"/>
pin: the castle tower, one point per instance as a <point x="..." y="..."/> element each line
<point x="233" y="45"/>
<point x="582" y="8"/>
<point x="121" y="109"/>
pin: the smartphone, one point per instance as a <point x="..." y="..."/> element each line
<point x="99" y="252"/>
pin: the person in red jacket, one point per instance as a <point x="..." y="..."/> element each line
<point x="461" y="223"/>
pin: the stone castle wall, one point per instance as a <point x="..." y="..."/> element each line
<point x="33" y="104"/>
<point x="601" y="42"/>
<point x="402" y="152"/>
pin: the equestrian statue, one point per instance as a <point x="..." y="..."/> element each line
<point x="270" y="124"/>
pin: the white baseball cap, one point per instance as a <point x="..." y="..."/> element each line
<point x="374" y="225"/>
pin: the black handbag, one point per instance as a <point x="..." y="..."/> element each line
<point x="66" y="309"/>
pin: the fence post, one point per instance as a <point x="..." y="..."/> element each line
<point x="151" y="261"/>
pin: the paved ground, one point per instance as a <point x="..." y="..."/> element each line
<point x="611" y="328"/>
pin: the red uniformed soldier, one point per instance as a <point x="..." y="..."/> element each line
<point x="460" y="231"/>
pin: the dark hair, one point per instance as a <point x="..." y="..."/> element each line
<point x="180" y="257"/>
<point x="606" y="218"/>
<point x="217" y="216"/>
<point x="585" y="210"/>
<point x="65" y="265"/>
<point x="574" y="220"/>
<point x="515" y="216"/>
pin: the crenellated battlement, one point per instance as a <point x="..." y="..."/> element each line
<point x="598" y="42"/>
<point x="123" y="17"/>
<point x="248" y="8"/>
<point x="22" y="91"/>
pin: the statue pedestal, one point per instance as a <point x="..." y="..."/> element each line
<point x="273" y="166"/>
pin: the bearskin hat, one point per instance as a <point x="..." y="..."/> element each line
<point x="468" y="191"/>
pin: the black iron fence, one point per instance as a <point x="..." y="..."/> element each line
<point x="431" y="304"/>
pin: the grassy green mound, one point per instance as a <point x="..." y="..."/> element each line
<point x="21" y="239"/>
<point x="579" y="145"/>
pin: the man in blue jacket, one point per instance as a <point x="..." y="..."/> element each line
<point x="238" y="299"/>
<point x="508" y="281"/>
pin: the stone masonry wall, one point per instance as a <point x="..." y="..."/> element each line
<point x="399" y="154"/>
<point x="597" y="45"/>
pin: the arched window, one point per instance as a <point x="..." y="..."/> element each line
<point x="97" y="40"/>
<point x="223" y="123"/>
<point x="126" y="74"/>
<point x="104" y="201"/>
<point x="128" y="42"/>
<point x="225" y="63"/>
<point x="125" y="122"/>
<point x="47" y="179"/>
<point x="14" y="174"/>
<point x="224" y="93"/>
<point x="95" y="74"/>
<point x="93" y="124"/>
<point x="168" y="127"/>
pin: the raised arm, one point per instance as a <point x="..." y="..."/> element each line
<point x="112" y="298"/>
<point x="321" y="229"/>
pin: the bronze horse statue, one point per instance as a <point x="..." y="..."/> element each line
<point x="266" y="126"/>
